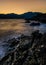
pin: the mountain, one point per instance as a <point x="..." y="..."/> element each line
<point x="8" y="16"/>
<point x="28" y="15"/>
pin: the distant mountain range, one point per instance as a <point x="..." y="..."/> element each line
<point x="28" y="15"/>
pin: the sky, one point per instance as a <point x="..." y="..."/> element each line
<point x="22" y="6"/>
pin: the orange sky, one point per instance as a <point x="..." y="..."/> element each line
<point x="21" y="6"/>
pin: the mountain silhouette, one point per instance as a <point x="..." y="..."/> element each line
<point x="28" y="15"/>
<point x="8" y="16"/>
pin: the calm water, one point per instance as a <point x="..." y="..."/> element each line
<point x="10" y="28"/>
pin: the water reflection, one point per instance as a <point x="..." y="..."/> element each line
<point x="8" y="26"/>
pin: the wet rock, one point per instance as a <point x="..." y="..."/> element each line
<point x="35" y="24"/>
<point x="30" y="52"/>
<point x="13" y="42"/>
<point x="27" y="21"/>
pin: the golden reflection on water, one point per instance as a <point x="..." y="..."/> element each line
<point x="11" y="25"/>
<point x="16" y="25"/>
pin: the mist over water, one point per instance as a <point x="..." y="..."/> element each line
<point x="13" y="27"/>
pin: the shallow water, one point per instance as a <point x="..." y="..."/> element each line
<point x="10" y="28"/>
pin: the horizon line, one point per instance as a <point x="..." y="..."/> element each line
<point x="23" y="13"/>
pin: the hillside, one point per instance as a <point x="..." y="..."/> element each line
<point x="28" y="15"/>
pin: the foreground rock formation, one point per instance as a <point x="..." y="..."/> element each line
<point x="26" y="50"/>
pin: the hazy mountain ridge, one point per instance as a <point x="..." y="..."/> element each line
<point x="28" y="15"/>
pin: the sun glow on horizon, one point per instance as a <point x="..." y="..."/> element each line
<point x="22" y="6"/>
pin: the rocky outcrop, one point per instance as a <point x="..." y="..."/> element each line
<point x="27" y="21"/>
<point x="27" y="50"/>
<point x="35" y="24"/>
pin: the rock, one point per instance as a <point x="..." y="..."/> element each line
<point x="13" y="42"/>
<point x="32" y="52"/>
<point x="27" y="21"/>
<point x="35" y="24"/>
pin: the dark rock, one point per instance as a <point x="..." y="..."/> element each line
<point x="13" y="42"/>
<point x="32" y="52"/>
<point x="35" y="24"/>
<point x="27" y="21"/>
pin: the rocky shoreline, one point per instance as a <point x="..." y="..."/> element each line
<point x="26" y="50"/>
